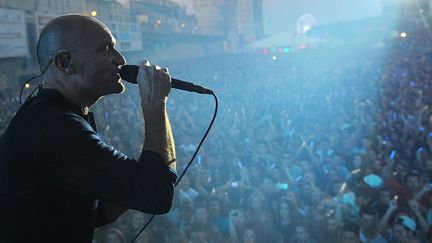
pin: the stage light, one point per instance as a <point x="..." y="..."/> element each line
<point x="265" y="51"/>
<point x="286" y="49"/>
<point x="27" y="85"/>
<point x="274" y="58"/>
<point x="403" y="34"/>
<point x="93" y="13"/>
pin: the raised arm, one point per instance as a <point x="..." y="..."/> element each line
<point x="384" y="220"/>
<point x="154" y="85"/>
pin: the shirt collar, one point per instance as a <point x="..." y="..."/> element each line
<point x="55" y="96"/>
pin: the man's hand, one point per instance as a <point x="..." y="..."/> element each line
<point x="154" y="85"/>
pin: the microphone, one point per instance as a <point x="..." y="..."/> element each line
<point x="129" y="73"/>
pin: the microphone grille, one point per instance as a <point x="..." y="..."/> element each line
<point x="129" y="73"/>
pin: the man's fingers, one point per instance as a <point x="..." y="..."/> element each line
<point x="153" y="68"/>
<point x="165" y="69"/>
<point x="146" y="62"/>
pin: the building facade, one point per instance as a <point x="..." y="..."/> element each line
<point x="249" y="20"/>
<point x="169" y="32"/>
<point x="239" y="21"/>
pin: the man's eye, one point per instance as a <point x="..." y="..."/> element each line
<point x="106" y="48"/>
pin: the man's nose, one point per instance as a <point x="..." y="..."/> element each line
<point x="119" y="58"/>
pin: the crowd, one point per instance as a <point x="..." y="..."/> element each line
<point x="315" y="146"/>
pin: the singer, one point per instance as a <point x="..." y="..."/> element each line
<point x="58" y="179"/>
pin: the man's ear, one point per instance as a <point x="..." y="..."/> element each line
<point x="62" y="61"/>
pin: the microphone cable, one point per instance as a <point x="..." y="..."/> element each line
<point x="188" y="165"/>
<point x="28" y="82"/>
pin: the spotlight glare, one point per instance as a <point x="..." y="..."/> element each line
<point x="274" y="58"/>
<point x="27" y="85"/>
<point x="403" y="34"/>
<point x="93" y="13"/>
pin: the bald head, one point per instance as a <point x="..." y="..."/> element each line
<point x="64" y="33"/>
<point x="80" y="59"/>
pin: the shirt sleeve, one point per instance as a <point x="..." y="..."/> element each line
<point x="76" y="158"/>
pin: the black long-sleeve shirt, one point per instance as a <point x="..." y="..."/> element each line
<point x="56" y="172"/>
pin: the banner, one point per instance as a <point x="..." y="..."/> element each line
<point x="13" y="35"/>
